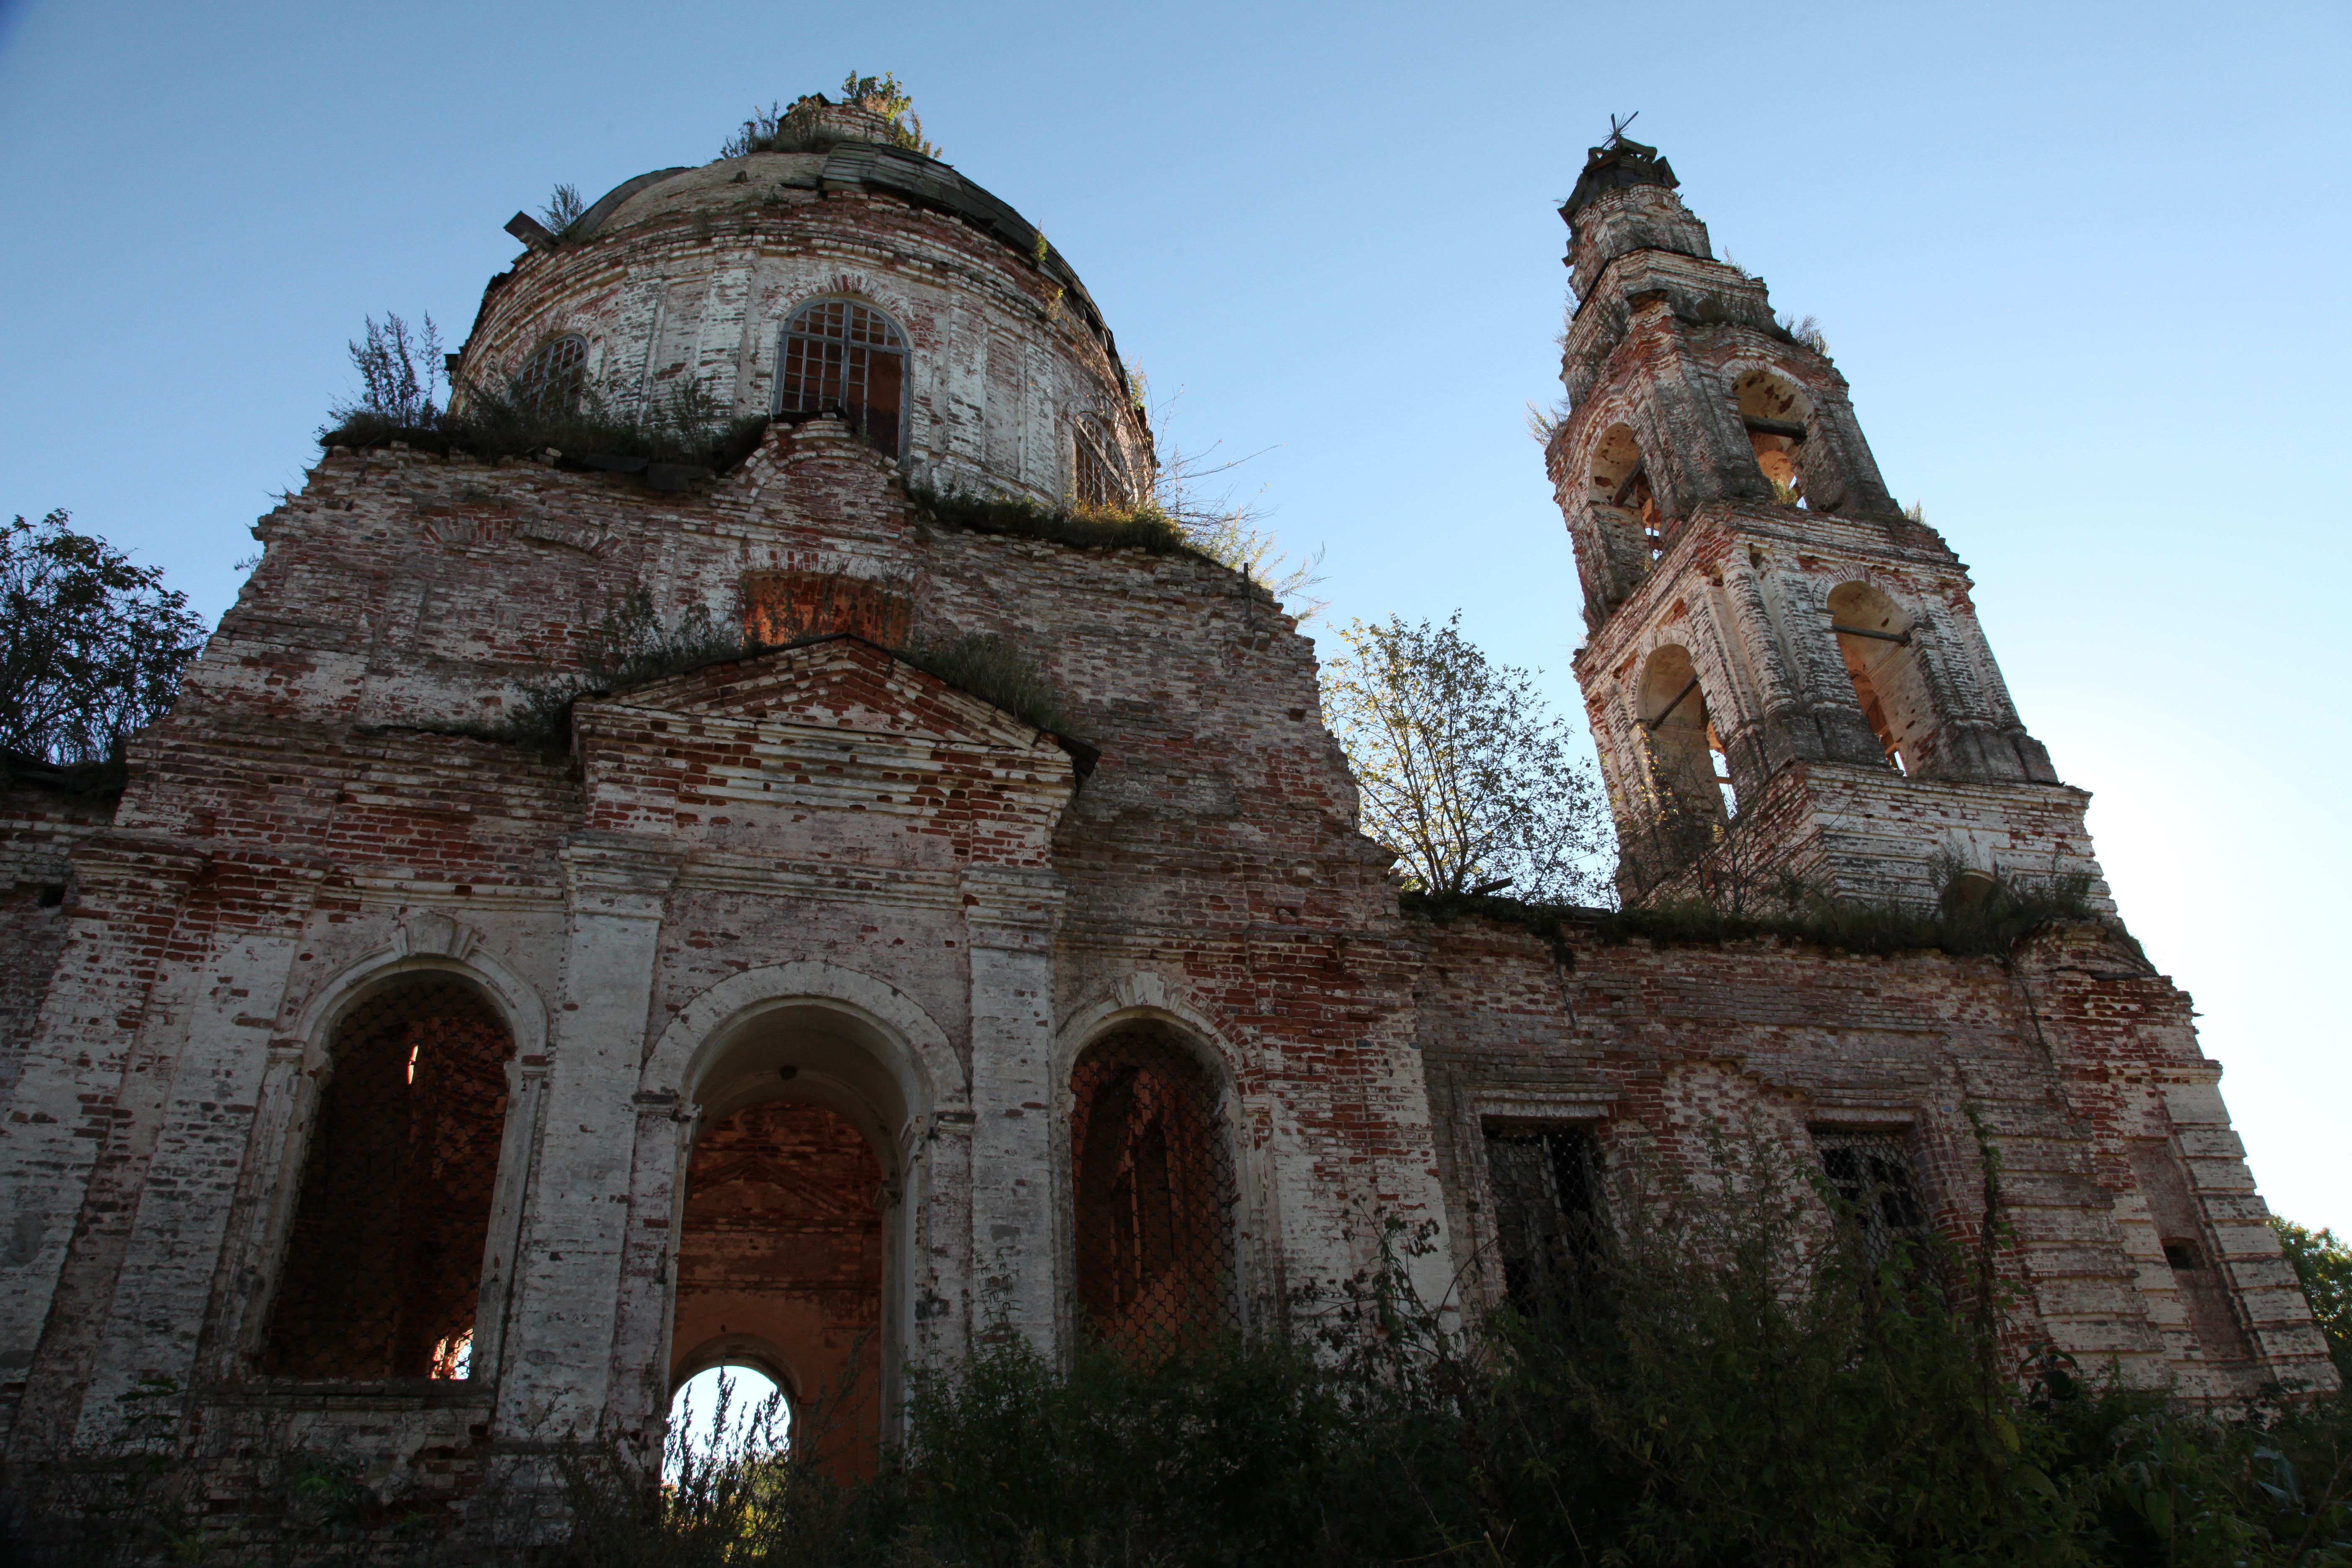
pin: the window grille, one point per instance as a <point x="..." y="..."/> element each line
<point x="1871" y="1175"/>
<point x="841" y="357"/>
<point x="1094" y="475"/>
<point x="1549" y="1219"/>
<point x="554" y="377"/>
<point x="385" y="1258"/>
<point x="1154" y="1191"/>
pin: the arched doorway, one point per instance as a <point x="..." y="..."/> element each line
<point x="782" y="1245"/>
<point x="790" y="1227"/>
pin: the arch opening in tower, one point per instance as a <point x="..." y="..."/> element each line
<point x="1874" y="637"/>
<point x="1621" y="480"/>
<point x="1776" y="416"/>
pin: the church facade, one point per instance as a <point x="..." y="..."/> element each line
<point x="393" y="1088"/>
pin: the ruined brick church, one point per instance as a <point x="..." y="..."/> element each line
<point x="396" y="1089"/>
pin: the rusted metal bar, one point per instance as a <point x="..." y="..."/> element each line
<point x="1902" y="638"/>
<point x="1651" y="725"/>
<point x="1625" y="491"/>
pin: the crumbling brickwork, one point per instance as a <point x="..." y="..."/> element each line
<point x="794" y="960"/>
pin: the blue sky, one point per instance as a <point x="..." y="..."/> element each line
<point x="2083" y="265"/>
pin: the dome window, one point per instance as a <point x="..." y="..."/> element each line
<point x="841" y="357"/>
<point x="553" y="377"/>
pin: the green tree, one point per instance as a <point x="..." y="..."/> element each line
<point x="91" y="647"/>
<point x="2323" y="1264"/>
<point x="1465" y="772"/>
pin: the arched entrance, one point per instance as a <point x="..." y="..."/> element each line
<point x="790" y="1229"/>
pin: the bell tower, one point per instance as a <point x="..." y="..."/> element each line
<point x="1783" y="668"/>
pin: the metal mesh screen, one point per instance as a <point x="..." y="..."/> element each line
<point x="1871" y="1173"/>
<point x="1154" y="1191"/>
<point x="1549" y="1218"/>
<point x="385" y="1258"/>
<point x="554" y="376"/>
<point x="841" y="357"/>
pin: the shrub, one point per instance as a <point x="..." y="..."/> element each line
<point x="797" y="129"/>
<point x="1731" y="1381"/>
<point x="398" y="374"/>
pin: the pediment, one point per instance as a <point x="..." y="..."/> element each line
<point x="843" y="683"/>
<point x="835" y="753"/>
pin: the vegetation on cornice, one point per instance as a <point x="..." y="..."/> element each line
<point x="1088" y="527"/>
<point x="1988" y="927"/>
<point x="679" y="438"/>
<point x="632" y="646"/>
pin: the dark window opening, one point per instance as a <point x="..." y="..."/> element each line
<point x="1549" y="1221"/>
<point x="1154" y="1193"/>
<point x="2181" y="1254"/>
<point x="52" y="895"/>
<point x="384" y="1262"/>
<point x="553" y="379"/>
<point x="841" y="357"/>
<point x="1871" y="1175"/>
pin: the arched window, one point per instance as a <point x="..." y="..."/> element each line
<point x="1154" y="1191"/>
<point x="1688" y="769"/>
<point x="842" y="357"/>
<point x="1775" y="412"/>
<point x="1621" y="479"/>
<point x="384" y="1262"/>
<point x="1874" y="636"/>
<point x="552" y="378"/>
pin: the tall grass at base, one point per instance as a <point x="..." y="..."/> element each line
<point x="1732" y="1382"/>
<point x="1728" y="1382"/>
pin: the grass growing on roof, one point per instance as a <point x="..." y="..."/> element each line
<point x="1090" y="527"/>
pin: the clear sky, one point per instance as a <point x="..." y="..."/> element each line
<point x="2084" y="265"/>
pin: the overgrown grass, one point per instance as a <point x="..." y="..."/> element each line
<point x="685" y="430"/>
<point x="1729" y="1381"/>
<point x="632" y="645"/>
<point x="1992" y="926"/>
<point x="1095" y="528"/>
<point x="995" y="671"/>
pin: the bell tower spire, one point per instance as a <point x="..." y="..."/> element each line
<point x="1783" y="668"/>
